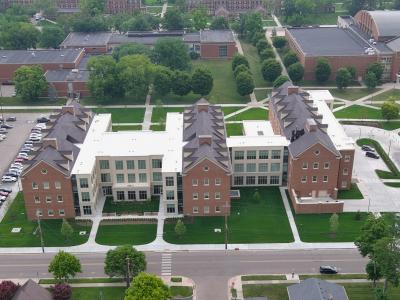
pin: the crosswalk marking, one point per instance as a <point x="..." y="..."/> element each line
<point x="166" y="264"/>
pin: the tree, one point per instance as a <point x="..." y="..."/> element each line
<point x="182" y="83"/>
<point x="343" y="78"/>
<point x="322" y="70"/>
<point x="48" y="7"/>
<point x="396" y="4"/>
<point x="239" y="59"/>
<point x="19" y="36"/>
<point x="92" y="7"/>
<point x="262" y="45"/>
<point x="30" y="82"/>
<point x="271" y="69"/>
<point x="240" y="69"/>
<point x="130" y="49"/>
<point x="64" y="266"/>
<point x="172" y="53"/>
<point x="202" y="81"/>
<point x="373" y="271"/>
<point x="389" y="110"/>
<point x="380" y="294"/>
<point x="219" y="23"/>
<point x="66" y="230"/>
<point x="61" y="291"/>
<point x="124" y="261"/>
<point x="199" y="18"/>
<point x="180" y="228"/>
<point x="279" y="42"/>
<point x="257" y="196"/>
<point x="267" y="54"/>
<point x="84" y="23"/>
<point x="173" y="20"/>
<point x="137" y="23"/>
<point x="250" y="25"/>
<point x="376" y="68"/>
<point x="147" y="287"/>
<point x="162" y="81"/>
<point x="280" y="80"/>
<point x="372" y="230"/>
<point x="51" y="37"/>
<point x="334" y="223"/>
<point x="353" y="71"/>
<point x="8" y="289"/>
<point x="370" y="80"/>
<point x="290" y="58"/>
<point x="296" y="72"/>
<point x="244" y="83"/>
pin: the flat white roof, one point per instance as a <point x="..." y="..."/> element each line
<point x="324" y="95"/>
<point x="257" y="128"/>
<point x="140" y="143"/>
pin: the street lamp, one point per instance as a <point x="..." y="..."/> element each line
<point x="40" y="231"/>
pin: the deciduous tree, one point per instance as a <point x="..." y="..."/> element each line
<point x="244" y="83"/>
<point x="290" y="58"/>
<point x="279" y="42"/>
<point x="7" y="289"/>
<point x="390" y="110"/>
<point x="147" y="287"/>
<point x="66" y="229"/>
<point x="343" y="78"/>
<point x="30" y="82"/>
<point x="280" y="80"/>
<point x="296" y="72"/>
<point x="92" y="7"/>
<point x="182" y="83"/>
<point x="334" y="224"/>
<point x="239" y="59"/>
<point x="219" y="23"/>
<point x="271" y="69"/>
<point x="173" y="20"/>
<point x="162" y="81"/>
<point x="64" y="266"/>
<point x="370" y="80"/>
<point x="200" y="18"/>
<point x="61" y="291"/>
<point x="131" y="49"/>
<point x="376" y="68"/>
<point x="202" y="81"/>
<point x="51" y="36"/>
<point x="322" y="70"/>
<point x="180" y="228"/>
<point x="172" y="53"/>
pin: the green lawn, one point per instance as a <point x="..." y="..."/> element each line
<point x="333" y="276"/>
<point x="269" y="23"/>
<point x="160" y="113"/>
<point x="128" y="100"/>
<point x="154" y="10"/>
<point x="157" y="127"/>
<point x="16" y="217"/>
<point x="181" y="291"/>
<point x="351" y="94"/>
<point x="94" y="293"/>
<point x="140" y="207"/>
<point x="386" y="95"/>
<point x="358" y="112"/>
<point x="393" y="184"/>
<point x="84" y="280"/>
<point x="175" y="99"/>
<point x="379" y="124"/>
<point x="17" y="101"/>
<point x="262" y="94"/>
<point x="234" y="129"/>
<point x="250" y="114"/>
<point x="263" y="277"/>
<point x="250" y="222"/>
<point x="132" y="234"/>
<point x="123" y="115"/>
<point x="228" y="110"/>
<point x="126" y="127"/>
<point x="272" y="291"/>
<point x="352" y="193"/>
<point x="255" y="64"/>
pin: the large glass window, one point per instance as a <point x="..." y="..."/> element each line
<point x="239" y="155"/>
<point x="142" y="164"/>
<point x="131" y="178"/>
<point x="157" y="176"/>
<point x="276" y="154"/>
<point x="169" y="181"/>
<point x="105" y="177"/>
<point x="251" y="154"/>
<point x="262" y="179"/>
<point x="142" y="177"/>
<point x="170" y="195"/>
<point x="170" y="208"/>
<point x="274" y="180"/>
<point x="275" y="167"/>
<point x="263" y="167"/>
<point x="250" y="180"/>
<point x="83" y="183"/>
<point x="143" y="195"/>
<point x="119" y="165"/>
<point x="120" y="195"/>
<point x="263" y="154"/>
<point x="131" y="195"/>
<point x="238" y="168"/>
<point x="87" y="210"/>
<point x="104" y="164"/>
<point x="238" y="180"/>
<point x="251" y="167"/>
<point x="130" y="164"/>
<point x="120" y="178"/>
<point x="85" y="196"/>
<point x="156" y="163"/>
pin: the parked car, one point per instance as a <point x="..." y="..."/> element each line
<point x="11" y="119"/>
<point x="20" y="160"/>
<point x="42" y="120"/>
<point x="328" y="270"/>
<point x="367" y="148"/>
<point x="3" y="130"/>
<point x="371" y="154"/>
<point x="6" y="190"/>
<point x="3" y="194"/>
<point x="40" y="125"/>
<point x="8" y="179"/>
<point x="6" y="126"/>
<point x="2" y="200"/>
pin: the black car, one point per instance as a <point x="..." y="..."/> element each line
<point x="42" y="120"/>
<point x="328" y="270"/>
<point x="371" y="154"/>
<point x="6" y="126"/>
<point x="11" y="119"/>
<point x="367" y="148"/>
<point x="5" y="190"/>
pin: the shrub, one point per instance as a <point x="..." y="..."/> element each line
<point x="194" y="55"/>
<point x="271" y="69"/>
<point x="279" y="42"/>
<point x="322" y="70"/>
<point x="353" y="71"/>
<point x="377" y="69"/>
<point x="262" y="45"/>
<point x="240" y="69"/>
<point x="280" y="80"/>
<point x="267" y="54"/>
<point x="8" y="289"/>
<point x="390" y="110"/>
<point x="61" y="291"/>
<point x="370" y="80"/>
<point x="343" y="78"/>
<point x="290" y="58"/>
<point x="239" y="59"/>
<point x="296" y="72"/>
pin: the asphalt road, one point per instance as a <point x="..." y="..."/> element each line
<point x="210" y="270"/>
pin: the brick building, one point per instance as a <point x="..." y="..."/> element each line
<point x="371" y="36"/>
<point x="46" y="180"/>
<point x="68" y="83"/>
<point x="229" y="8"/>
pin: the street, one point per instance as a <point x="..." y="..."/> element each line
<point x="210" y="270"/>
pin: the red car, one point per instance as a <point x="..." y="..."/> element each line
<point x="19" y="160"/>
<point x="3" y="194"/>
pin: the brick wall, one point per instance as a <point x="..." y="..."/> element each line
<point x="212" y="50"/>
<point x="345" y="167"/>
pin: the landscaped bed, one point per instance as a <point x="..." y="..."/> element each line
<point x="181" y="291"/>
<point x="251" y="221"/>
<point x="132" y="234"/>
<point x="234" y="129"/>
<point x="352" y="193"/>
<point x="104" y="293"/>
<point x="126" y="127"/>
<point x="123" y="115"/>
<point x="130" y="207"/>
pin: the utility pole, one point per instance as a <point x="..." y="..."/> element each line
<point x="128" y="271"/>
<point x="40" y="232"/>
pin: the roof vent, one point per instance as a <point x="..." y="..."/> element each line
<point x="33" y="54"/>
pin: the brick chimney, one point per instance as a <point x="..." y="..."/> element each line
<point x="66" y="109"/>
<point x="311" y="125"/>
<point x="292" y="90"/>
<point x="202" y="105"/>
<point x="50" y="142"/>
<point x="205" y="139"/>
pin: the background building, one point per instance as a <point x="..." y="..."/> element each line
<point x="229" y="8"/>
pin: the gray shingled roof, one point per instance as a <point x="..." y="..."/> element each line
<point x="294" y="112"/>
<point x="67" y="75"/>
<point x="32" y="291"/>
<point x="316" y="289"/>
<point x="387" y="22"/>
<point x="39" y="56"/>
<point x="198" y="123"/>
<point x="394" y="44"/>
<point x="82" y="39"/>
<point x="216" y="36"/>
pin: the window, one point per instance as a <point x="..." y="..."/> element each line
<point x="142" y="164"/>
<point x="61" y="212"/>
<point x="316" y="152"/>
<point x="206" y="196"/>
<point x="347" y="158"/>
<point x="142" y="177"/>
<point x="87" y="210"/>
<point x="251" y="154"/>
<point x="131" y="178"/>
<point x="217" y="209"/>
<point x="274" y="180"/>
<point x="37" y="199"/>
<point x="57" y="185"/>
<point x="305" y="166"/>
<point x="104" y="164"/>
<point x="276" y="154"/>
<point x="157" y="176"/>
<point x="206" y="209"/>
<point x="251" y="167"/>
<point x="143" y="195"/>
<point x="170" y="195"/>
<point x="263" y="167"/>
<point x="157" y="189"/>
<point x="131" y="195"/>
<point x="263" y="154"/>
<point x="105" y="177"/>
<point x="60" y="198"/>
<point x="50" y="212"/>
<point x="315" y="165"/>
<point x="344" y="184"/>
<point x="120" y="195"/>
<point x="83" y="183"/>
<point x="35" y="186"/>
<point x="130" y="164"/>
<point x="119" y="165"/>
<point x="156" y="163"/>
<point x="345" y="171"/>
<point x="46" y="185"/>
<point x="217" y="181"/>
<point x="238" y="180"/>
<point x="250" y="180"/>
<point x="327" y="165"/>
<point x="44" y="171"/>
<point x="217" y="195"/>
<point x="206" y="168"/>
<point x="239" y="155"/>
<point x="275" y="167"/>
<point x="314" y="178"/>
<point x="169" y="181"/>
<point x="120" y="178"/>
<point x="195" y="196"/>
<point x="85" y="196"/>
<point x="170" y="208"/>
<point x="206" y="181"/>
<point x="39" y="212"/>
<point x="262" y="179"/>
<point x="238" y="168"/>
<point x="325" y="178"/>
<point x="303" y="179"/>
<point x="195" y="182"/>
<point x="223" y="51"/>
<point x="195" y="209"/>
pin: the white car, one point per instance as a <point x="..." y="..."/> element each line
<point x="17" y="164"/>
<point x="22" y="154"/>
<point x="40" y="125"/>
<point x="8" y="179"/>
